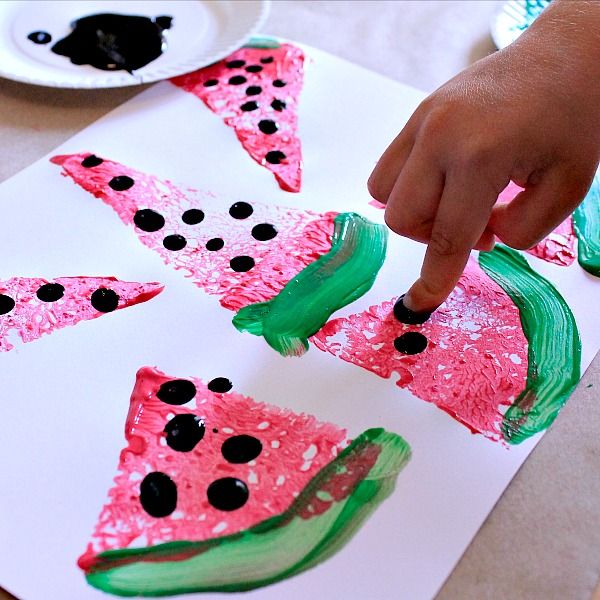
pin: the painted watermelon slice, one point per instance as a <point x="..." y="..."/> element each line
<point x="255" y="90"/>
<point x="218" y="492"/>
<point x="501" y="355"/>
<point x="245" y="253"/>
<point x="34" y="306"/>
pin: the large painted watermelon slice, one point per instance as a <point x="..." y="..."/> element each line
<point x="217" y="492"/>
<point x="256" y="91"/>
<point x="305" y="265"/>
<point x="34" y="306"/>
<point x="501" y="355"/>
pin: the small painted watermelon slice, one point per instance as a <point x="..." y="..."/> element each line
<point x="256" y="90"/>
<point x="217" y="492"/>
<point x="501" y="355"/>
<point x="34" y="306"/>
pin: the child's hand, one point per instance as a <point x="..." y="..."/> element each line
<point x="530" y="113"/>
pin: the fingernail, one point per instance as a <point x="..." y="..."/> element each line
<point x="407" y="315"/>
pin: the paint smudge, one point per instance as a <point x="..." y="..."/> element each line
<point x="256" y="91"/>
<point x="554" y="351"/>
<point x="334" y="280"/>
<point x="34" y="306"/>
<point x="259" y="494"/>
<point x="469" y="358"/>
<point x="586" y="220"/>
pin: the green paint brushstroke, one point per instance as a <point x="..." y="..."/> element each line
<point x="586" y="222"/>
<point x="262" y="42"/>
<point x="554" y="354"/>
<point x="273" y="550"/>
<point x="334" y="280"/>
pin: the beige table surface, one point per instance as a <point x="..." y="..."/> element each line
<point x="542" y="540"/>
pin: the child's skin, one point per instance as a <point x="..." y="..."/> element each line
<point x="529" y="113"/>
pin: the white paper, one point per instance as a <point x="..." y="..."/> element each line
<point x="65" y="396"/>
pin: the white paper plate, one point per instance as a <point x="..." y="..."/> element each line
<point x="203" y="32"/>
<point x="513" y="19"/>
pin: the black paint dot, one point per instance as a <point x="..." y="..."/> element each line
<point x="183" y="432"/>
<point x="254" y="69"/>
<point x="176" y="392"/>
<point x="227" y="493"/>
<point x="210" y="82"/>
<point x="237" y="80"/>
<point x="148" y="220"/>
<point x="266" y="60"/>
<point x="241" y="449"/>
<point x="175" y="242"/>
<point x="275" y="157"/>
<point x="158" y="494"/>
<point x="241" y="264"/>
<point x="215" y="244"/>
<point x="164" y="22"/>
<point x="193" y="216"/>
<point x="241" y="210"/>
<point x="121" y="183"/>
<point x="253" y="90"/>
<point x="264" y="232"/>
<point x="235" y="64"/>
<point x="278" y="105"/>
<point x="248" y="106"/>
<point x="215" y="430"/>
<point x="6" y="304"/>
<point x="268" y="126"/>
<point x="104" y="300"/>
<point x="50" y="292"/>
<point x="91" y="161"/>
<point x="411" y="342"/>
<point x="410" y="317"/>
<point x="279" y="83"/>
<point x="40" y="37"/>
<point x="219" y="385"/>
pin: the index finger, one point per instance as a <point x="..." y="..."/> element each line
<point x="461" y="219"/>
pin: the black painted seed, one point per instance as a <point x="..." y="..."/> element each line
<point x="104" y="300"/>
<point x="275" y="157"/>
<point x="241" y="264"/>
<point x="50" y="292"/>
<point x="264" y="232"/>
<point x="215" y="430"/>
<point x="219" y="385"/>
<point x="241" y="210"/>
<point x="248" y="106"/>
<point x="183" y="432"/>
<point x="174" y="242"/>
<point x="158" y="494"/>
<point x="410" y="317"/>
<point x="237" y="80"/>
<point x="278" y="105"/>
<point x="91" y="161"/>
<point x="215" y="244"/>
<point x="176" y="392"/>
<point x="193" y="216"/>
<point x="121" y="183"/>
<point x="235" y="64"/>
<point x="241" y="449"/>
<point x="268" y="126"/>
<point x="6" y="304"/>
<point x="148" y="220"/>
<point x="164" y="22"/>
<point x="227" y="493"/>
<point x="210" y="82"/>
<point x="279" y="83"/>
<point x="411" y="342"/>
<point x="266" y="60"/>
<point x="40" y="37"/>
<point x="254" y="69"/>
<point x="253" y="90"/>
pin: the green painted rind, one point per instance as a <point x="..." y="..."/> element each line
<point x="554" y="354"/>
<point x="273" y="550"/>
<point x="586" y="222"/>
<point x="262" y="42"/>
<point x="334" y="280"/>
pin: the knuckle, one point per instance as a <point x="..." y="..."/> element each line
<point x="442" y="244"/>
<point x="375" y="189"/>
